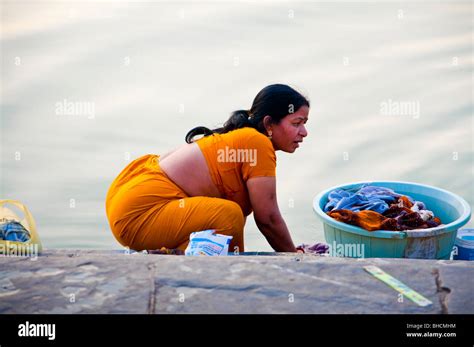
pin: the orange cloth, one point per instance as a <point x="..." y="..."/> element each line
<point x="367" y="219"/>
<point x="147" y="210"/>
<point x="405" y="202"/>
<point x="235" y="157"/>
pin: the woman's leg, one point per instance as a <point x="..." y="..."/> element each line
<point x="172" y="224"/>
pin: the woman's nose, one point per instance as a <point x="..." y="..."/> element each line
<point x="303" y="132"/>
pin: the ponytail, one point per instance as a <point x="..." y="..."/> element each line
<point x="238" y="119"/>
<point x="197" y="131"/>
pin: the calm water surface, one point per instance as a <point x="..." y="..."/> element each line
<point x="390" y="86"/>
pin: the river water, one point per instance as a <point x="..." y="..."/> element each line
<point x="85" y="88"/>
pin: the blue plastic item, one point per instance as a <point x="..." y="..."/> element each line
<point x="433" y="243"/>
<point x="465" y="245"/>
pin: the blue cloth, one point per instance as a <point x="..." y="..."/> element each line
<point x="365" y="198"/>
<point x="13" y="231"/>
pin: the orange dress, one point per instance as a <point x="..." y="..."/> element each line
<point x="147" y="210"/>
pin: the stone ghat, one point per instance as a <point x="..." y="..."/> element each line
<point x="91" y="281"/>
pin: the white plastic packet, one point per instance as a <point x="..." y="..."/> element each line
<point x="208" y="243"/>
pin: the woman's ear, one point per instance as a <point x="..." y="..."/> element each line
<point x="267" y="123"/>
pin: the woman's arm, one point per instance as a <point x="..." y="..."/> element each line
<point x="262" y="192"/>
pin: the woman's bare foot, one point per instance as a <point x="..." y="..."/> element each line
<point x="164" y="250"/>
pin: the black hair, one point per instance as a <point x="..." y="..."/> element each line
<point x="275" y="100"/>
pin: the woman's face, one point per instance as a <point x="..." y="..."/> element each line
<point x="289" y="133"/>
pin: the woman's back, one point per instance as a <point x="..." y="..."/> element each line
<point x="186" y="166"/>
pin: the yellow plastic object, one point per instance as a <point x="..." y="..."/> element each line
<point x="31" y="247"/>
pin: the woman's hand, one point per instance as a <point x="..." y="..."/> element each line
<point x="300" y="249"/>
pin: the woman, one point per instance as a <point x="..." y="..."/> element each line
<point x="214" y="182"/>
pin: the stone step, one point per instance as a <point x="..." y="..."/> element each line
<point x="93" y="281"/>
